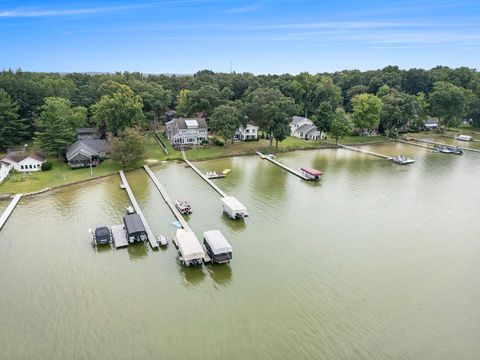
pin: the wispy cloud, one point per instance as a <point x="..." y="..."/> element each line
<point x="36" y="12"/>
<point x="246" y="8"/>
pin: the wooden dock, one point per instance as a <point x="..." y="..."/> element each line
<point x="151" y="237"/>
<point x="365" y="151"/>
<point x="203" y="176"/>
<point x="167" y="199"/>
<point x="8" y="211"/>
<point x="284" y="167"/>
<point x="437" y="143"/>
<point x="119" y="236"/>
<point x="414" y="144"/>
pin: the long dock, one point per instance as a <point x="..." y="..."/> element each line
<point x="8" y="211"/>
<point x="284" y="167"/>
<point x="167" y="199"/>
<point x="207" y="180"/>
<point x="365" y="151"/>
<point x="414" y="144"/>
<point x="172" y="207"/>
<point x="437" y="143"/>
<point x="151" y="237"/>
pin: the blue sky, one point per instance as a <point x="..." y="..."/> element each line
<point x="264" y="36"/>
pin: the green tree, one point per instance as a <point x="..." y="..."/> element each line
<point x="182" y="105"/>
<point x="271" y="111"/>
<point x="13" y="129"/>
<point x="56" y="125"/>
<point x="118" y="111"/>
<point x="366" y="111"/>
<point x="340" y="125"/>
<point x="398" y="109"/>
<point x="128" y="148"/>
<point x="225" y="120"/>
<point x="204" y="99"/>
<point x="448" y="102"/>
<point x="324" y="116"/>
<point x="110" y="87"/>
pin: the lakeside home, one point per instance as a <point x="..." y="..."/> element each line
<point x="87" y="133"/>
<point x="86" y="152"/>
<point x="249" y="132"/>
<point x="303" y="128"/>
<point x="4" y="170"/>
<point x="187" y="132"/>
<point x="23" y="162"/>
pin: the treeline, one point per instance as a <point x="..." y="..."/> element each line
<point x="47" y="106"/>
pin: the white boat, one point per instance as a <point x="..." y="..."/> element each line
<point x="402" y="160"/>
<point x="270" y="156"/>
<point x="463" y="138"/>
<point x="214" y="175"/>
<point x="183" y="206"/>
<point x="130" y="210"/>
<point x="447" y="149"/>
<point x="162" y="240"/>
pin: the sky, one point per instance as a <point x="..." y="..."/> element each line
<point x="257" y="36"/>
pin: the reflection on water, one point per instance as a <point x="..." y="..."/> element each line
<point x="375" y="261"/>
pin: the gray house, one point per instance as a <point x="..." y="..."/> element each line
<point x="86" y="152"/>
<point x="187" y="132"/>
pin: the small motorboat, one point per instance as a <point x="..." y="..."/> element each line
<point x="130" y="210"/>
<point x="463" y="138"/>
<point x="214" y="175"/>
<point x="101" y="236"/>
<point x="402" y="160"/>
<point x="226" y="171"/>
<point x="183" y="206"/>
<point x="270" y="156"/>
<point x="448" y="150"/>
<point x="162" y="240"/>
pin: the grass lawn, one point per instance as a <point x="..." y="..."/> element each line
<point x="358" y="140"/>
<point x="59" y="175"/>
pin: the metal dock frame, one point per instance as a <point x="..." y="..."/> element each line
<point x="151" y="237"/>
<point x="8" y="211"/>
<point x="296" y="173"/>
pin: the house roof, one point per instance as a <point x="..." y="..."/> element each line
<point x="299" y="119"/>
<point x="306" y="128"/>
<point x="86" y="130"/>
<point x="88" y="146"/>
<point x="170" y="112"/>
<point x="182" y="123"/>
<point x="17" y="156"/>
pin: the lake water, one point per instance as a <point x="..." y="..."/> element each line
<point x="375" y="261"/>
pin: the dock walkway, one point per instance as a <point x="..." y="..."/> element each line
<point x="119" y="236"/>
<point x="437" y="143"/>
<point x="207" y="180"/>
<point x="284" y="167"/>
<point x="365" y="151"/>
<point x="8" y="211"/>
<point x="167" y="199"/>
<point x="151" y="237"/>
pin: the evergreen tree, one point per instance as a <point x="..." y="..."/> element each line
<point x="13" y="129"/>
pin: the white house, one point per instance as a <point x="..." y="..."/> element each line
<point x="23" y="162"/>
<point x="431" y="124"/>
<point x="4" y="170"/>
<point x="182" y="132"/>
<point x="250" y="132"/>
<point x="303" y="128"/>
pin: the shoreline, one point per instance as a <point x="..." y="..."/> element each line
<point x="327" y="146"/>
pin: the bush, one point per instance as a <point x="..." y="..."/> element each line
<point x="46" y="166"/>
<point x="204" y="142"/>
<point x="217" y="141"/>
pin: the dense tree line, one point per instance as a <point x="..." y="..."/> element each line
<point x="48" y="106"/>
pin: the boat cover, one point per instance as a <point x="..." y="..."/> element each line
<point x="134" y="225"/>
<point x="217" y="242"/>
<point x="189" y="246"/>
<point x="311" y="171"/>
<point x="233" y="204"/>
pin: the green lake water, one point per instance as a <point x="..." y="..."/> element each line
<point x="375" y="261"/>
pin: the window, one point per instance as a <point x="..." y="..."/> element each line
<point x="29" y="166"/>
<point x="21" y="167"/>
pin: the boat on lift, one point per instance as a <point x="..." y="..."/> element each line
<point x="215" y="175"/>
<point x="447" y="149"/>
<point x="402" y="160"/>
<point x="101" y="236"/>
<point x="311" y="174"/>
